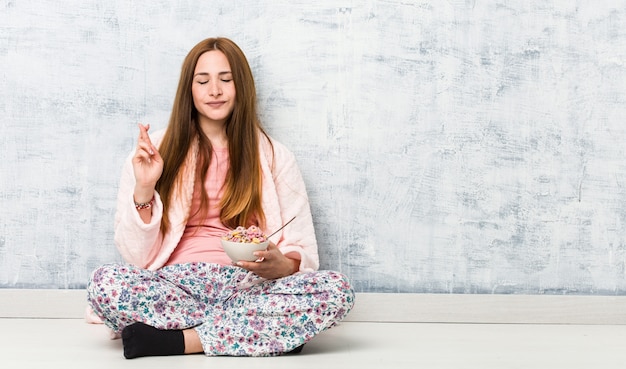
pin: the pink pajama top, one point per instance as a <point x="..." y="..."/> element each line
<point x="201" y="238"/>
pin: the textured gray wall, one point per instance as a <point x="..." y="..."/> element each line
<point x="448" y="146"/>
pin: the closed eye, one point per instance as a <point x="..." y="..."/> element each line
<point x="205" y="82"/>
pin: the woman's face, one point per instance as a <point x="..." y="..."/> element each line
<point x="213" y="88"/>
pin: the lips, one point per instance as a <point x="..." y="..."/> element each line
<point x="216" y="104"/>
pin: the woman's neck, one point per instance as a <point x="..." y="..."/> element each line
<point x="216" y="133"/>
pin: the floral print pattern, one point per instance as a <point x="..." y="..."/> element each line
<point x="234" y="312"/>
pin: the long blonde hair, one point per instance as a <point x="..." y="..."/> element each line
<point x="241" y="201"/>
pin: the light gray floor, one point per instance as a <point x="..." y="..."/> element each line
<point x="71" y="343"/>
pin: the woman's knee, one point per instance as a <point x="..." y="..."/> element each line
<point x="103" y="278"/>
<point x="341" y="291"/>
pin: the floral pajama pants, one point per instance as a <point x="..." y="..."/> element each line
<point x="231" y="314"/>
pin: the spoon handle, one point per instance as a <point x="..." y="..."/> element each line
<point x="284" y="225"/>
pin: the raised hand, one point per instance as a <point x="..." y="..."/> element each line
<point x="147" y="166"/>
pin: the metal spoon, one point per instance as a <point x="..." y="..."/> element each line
<point x="284" y="225"/>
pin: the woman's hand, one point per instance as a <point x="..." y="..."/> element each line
<point x="274" y="264"/>
<point x="147" y="166"/>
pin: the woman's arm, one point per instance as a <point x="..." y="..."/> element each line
<point x="135" y="239"/>
<point x="298" y="239"/>
<point x="137" y="228"/>
<point x="284" y="196"/>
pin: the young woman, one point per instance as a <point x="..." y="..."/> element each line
<point x="214" y="168"/>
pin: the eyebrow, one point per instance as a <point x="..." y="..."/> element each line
<point x="206" y="74"/>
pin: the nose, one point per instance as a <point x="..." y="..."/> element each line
<point x="214" y="88"/>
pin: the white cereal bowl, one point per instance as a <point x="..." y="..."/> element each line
<point x="237" y="251"/>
